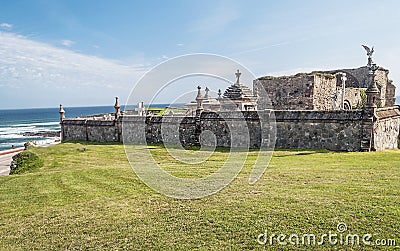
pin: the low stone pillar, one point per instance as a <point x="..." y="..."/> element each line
<point x="62" y="117"/>
<point x="117" y="108"/>
<point x="62" y="113"/>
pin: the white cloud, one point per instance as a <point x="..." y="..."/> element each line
<point x="6" y="26"/>
<point x="67" y="42"/>
<point x="38" y="70"/>
<point x="180" y="44"/>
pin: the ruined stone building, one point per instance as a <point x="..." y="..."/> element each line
<point x="322" y="90"/>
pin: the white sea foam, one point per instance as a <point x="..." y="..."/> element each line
<point x="15" y="133"/>
<point x="4" y="129"/>
<point x="25" y="129"/>
<point x="18" y="130"/>
<point x="10" y="129"/>
<point x="39" y="124"/>
<point x="12" y="136"/>
<point x="45" y="141"/>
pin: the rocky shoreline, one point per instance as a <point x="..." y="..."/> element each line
<point x="45" y="134"/>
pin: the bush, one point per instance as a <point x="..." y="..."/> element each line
<point x="25" y="161"/>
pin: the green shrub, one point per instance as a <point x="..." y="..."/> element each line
<point x="25" y="161"/>
<point x="363" y="95"/>
<point x="329" y="76"/>
<point x="266" y="78"/>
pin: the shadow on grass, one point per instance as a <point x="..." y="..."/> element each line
<point x="299" y="152"/>
<point x="82" y="142"/>
<point x="291" y="151"/>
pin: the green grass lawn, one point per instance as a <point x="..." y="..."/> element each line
<point x="93" y="200"/>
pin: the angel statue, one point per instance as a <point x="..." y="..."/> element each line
<point x="369" y="53"/>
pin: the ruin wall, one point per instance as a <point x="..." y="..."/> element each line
<point x="294" y="92"/>
<point x="307" y="91"/>
<point x="324" y="87"/>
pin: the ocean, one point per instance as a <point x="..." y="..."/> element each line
<point x="41" y="125"/>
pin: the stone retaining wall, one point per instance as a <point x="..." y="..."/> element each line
<point x="386" y="129"/>
<point x="333" y="130"/>
<point x="355" y="130"/>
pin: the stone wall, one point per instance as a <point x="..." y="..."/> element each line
<point x="356" y="130"/>
<point x="232" y="129"/>
<point x="311" y="91"/>
<point x="354" y="97"/>
<point x="390" y="94"/>
<point x="90" y="130"/>
<point x="294" y="92"/>
<point x="386" y="129"/>
<point x="324" y="87"/>
<point x="333" y="130"/>
<point x="307" y="91"/>
<point x="175" y="130"/>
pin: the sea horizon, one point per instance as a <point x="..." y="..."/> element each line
<point x="124" y="105"/>
<point x="42" y="125"/>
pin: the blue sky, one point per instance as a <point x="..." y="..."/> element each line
<point x="86" y="52"/>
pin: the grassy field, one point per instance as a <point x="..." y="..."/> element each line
<point x="93" y="200"/>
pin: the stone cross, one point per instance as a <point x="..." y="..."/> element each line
<point x="238" y="76"/>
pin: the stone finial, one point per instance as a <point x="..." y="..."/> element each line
<point x="117" y="108"/>
<point x="62" y="113"/>
<point x="199" y="96"/>
<point x="238" y="76"/>
<point x="199" y="99"/>
<point x="207" y="96"/>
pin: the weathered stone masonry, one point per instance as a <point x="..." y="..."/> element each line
<point x="313" y="91"/>
<point x="354" y="130"/>
<point x="386" y="129"/>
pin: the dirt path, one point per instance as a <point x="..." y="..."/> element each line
<point x="5" y="160"/>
